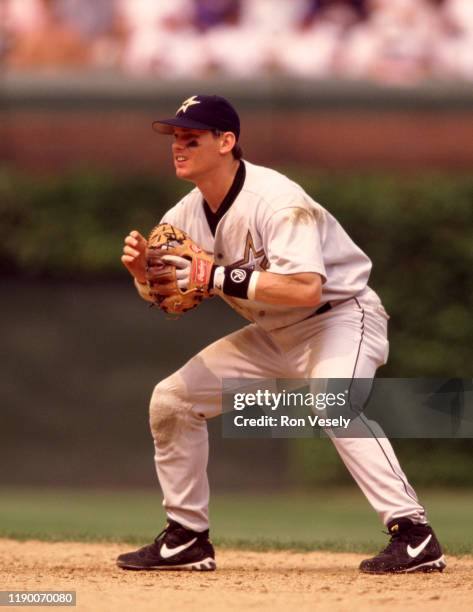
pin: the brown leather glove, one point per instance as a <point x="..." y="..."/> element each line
<point x="172" y="294"/>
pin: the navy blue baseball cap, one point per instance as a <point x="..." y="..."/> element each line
<point x="202" y="113"/>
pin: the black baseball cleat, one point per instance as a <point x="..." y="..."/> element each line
<point x="175" y="548"/>
<point x="412" y="548"/>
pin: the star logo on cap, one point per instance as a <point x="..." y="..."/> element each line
<point x="185" y="105"/>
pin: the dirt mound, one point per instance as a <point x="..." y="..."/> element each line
<point x="244" y="581"/>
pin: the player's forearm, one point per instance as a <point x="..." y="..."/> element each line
<point x="303" y="290"/>
<point x="288" y="290"/>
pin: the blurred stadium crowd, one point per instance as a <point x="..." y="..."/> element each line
<point x="389" y="41"/>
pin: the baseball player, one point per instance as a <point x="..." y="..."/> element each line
<point x="286" y="265"/>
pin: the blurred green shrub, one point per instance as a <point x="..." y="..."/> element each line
<point x="418" y="232"/>
<point x="73" y="225"/>
<point x="426" y="462"/>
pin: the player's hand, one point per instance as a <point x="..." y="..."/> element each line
<point x="134" y="255"/>
<point x="183" y="269"/>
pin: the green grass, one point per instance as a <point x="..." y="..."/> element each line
<point x="327" y="519"/>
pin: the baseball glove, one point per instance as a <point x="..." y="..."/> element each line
<point x="177" y="270"/>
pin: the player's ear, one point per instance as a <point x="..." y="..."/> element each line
<point x="227" y="142"/>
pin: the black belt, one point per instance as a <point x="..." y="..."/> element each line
<point x="328" y="306"/>
<point x="320" y="310"/>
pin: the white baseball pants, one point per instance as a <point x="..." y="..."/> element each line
<point x="349" y="341"/>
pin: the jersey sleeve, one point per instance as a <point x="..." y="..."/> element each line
<point x="179" y="214"/>
<point x="291" y="242"/>
<point x="170" y="217"/>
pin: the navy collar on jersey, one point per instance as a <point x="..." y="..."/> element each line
<point x="214" y="217"/>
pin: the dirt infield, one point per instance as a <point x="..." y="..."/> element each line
<point x="244" y="581"/>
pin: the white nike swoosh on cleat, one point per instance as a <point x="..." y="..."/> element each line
<point x="414" y="552"/>
<point x="170" y="552"/>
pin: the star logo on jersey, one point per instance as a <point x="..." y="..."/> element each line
<point x="251" y="256"/>
<point x="185" y="105"/>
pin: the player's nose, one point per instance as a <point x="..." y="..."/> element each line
<point x="178" y="146"/>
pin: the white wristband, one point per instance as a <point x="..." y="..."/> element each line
<point x="219" y="277"/>
<point x="252" y="285"/>
<point x="225" y="282"/>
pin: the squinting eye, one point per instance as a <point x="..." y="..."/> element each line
<point x="193" y="143"/>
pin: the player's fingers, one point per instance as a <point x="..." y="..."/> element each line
<point x="175" y="260"/>
<point x="131" y="241"/>
<point x="135" y="234"/>
<point x="128" y="250"/>
<point x="182" y="274"/>
<point x="127" y="259"/>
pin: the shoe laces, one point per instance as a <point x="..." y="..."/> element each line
<point x="396" y="538"/>
<point x="161" y="535"/>
<point x="171" y="529"/>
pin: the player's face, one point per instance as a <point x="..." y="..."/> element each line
<point x="196" y="153"/>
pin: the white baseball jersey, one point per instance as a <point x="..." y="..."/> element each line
<point x="274" y="225"/>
